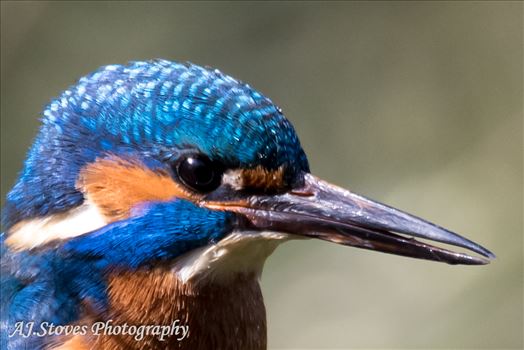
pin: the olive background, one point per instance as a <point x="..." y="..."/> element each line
<point x="415" y="104"/>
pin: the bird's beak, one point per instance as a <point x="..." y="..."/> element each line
<point x="322" y="210"/>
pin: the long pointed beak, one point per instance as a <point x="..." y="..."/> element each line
<point x="322" y="210"/>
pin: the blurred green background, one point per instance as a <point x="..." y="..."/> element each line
<point x="418" y="105"/>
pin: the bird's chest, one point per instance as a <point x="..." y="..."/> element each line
<point x="195" y="315"/>
<point x="213" y="292"/>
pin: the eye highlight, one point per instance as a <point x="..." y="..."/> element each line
<point x="199" y="173"/>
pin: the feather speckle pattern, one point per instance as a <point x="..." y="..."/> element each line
<point x="153" y="108"/>
<point x="109" y="146"/>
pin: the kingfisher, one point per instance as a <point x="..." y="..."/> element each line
<point x="150" y="199"/>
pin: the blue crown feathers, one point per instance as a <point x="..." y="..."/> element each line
<point x="154" y="108"/>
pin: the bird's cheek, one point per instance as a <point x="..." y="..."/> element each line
<point x="114" y="189"/>
<point x="116" y="186"/>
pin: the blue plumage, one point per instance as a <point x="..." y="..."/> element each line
<point x="152" y="112"/>
<point x="50" y="283"/>
<point x="162" y="230"/>
<point x="134" y="168"/>
<point x="32" y="291"/>
<point x="153" y="108"/>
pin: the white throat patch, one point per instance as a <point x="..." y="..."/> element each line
<point x="240" y="251"/>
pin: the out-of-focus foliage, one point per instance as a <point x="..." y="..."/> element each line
<point x="415" y="104"/>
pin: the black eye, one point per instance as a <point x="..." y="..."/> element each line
<point x="199" y="173"/>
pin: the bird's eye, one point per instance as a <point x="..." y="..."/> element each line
<point x="199" y="173"/>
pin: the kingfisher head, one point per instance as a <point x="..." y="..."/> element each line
<point x="153" y="162"/>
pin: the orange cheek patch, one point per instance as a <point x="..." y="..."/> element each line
<point x="116" y="185"/>
<point x="260" y="178"/>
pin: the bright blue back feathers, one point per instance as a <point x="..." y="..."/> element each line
<point x="152" y="108"/>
